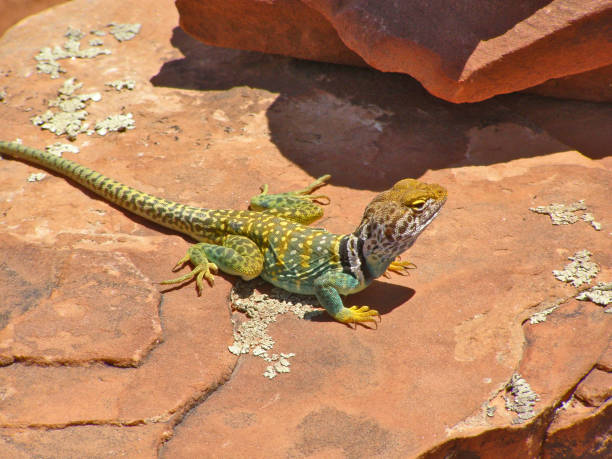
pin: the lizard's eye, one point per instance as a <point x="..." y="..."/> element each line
<point x="418" y="205"/>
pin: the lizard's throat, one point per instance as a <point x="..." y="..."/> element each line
<point x="378" y="249"/>
<point x="369" y="257"/>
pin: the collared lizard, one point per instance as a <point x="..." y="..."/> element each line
<point x="272" y="240"/>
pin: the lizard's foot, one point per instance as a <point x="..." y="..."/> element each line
<point x="356" y="314"/>
<point x="200" y="271"/>
<point x="400" y="267"/>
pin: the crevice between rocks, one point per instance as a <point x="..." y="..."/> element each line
<point x="181" y="413"/>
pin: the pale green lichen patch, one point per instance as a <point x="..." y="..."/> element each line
<point x="521" y="399"/>
<point x="47" y="57"/>
<point x="59" y="148"/>
<point x="122" y="84"/>
<point x="36" y="177"/>
<point x="261" y="310"/>
<point x="599" y="294"/>
<point x="70" y="119"/>
<point x="561" y="214"/>
<point x="96" y="42"/>
<point x="565" y="214"/>
<point x="124" y="32"/>
<point x="117" y="123"/>
<point x="589" y="218"/>
<point x="61" y="123"/>
<point x="541" y="316"/>
<point x="73" y="34"/>
<point x="580" y="271"/>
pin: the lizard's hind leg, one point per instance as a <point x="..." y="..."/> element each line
<point x="298" y="206"/>
<point x="238" y="256"/>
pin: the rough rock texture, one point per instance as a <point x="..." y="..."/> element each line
<point x="593" y="85"/>
<point x="461" y="51"/>
<point x="99" y="360"/>
<point x="110" y="315"/>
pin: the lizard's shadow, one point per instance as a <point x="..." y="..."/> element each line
<point x="380" y="295"/>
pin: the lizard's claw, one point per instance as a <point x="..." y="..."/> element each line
<point x="357" y="314"/>
<point x="179" y="264"/>
<point x="202" y="271"/>
<point x="400" y="267"/>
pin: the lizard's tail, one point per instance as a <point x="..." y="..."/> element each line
<point x="167" y="213"/>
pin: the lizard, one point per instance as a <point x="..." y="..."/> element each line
<point x="272" y="239"/>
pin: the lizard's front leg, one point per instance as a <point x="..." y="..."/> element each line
<point x="327" y="289"/>
<point x="238" y="256"/>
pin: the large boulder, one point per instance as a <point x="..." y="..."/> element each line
<point x="463" y="51"/>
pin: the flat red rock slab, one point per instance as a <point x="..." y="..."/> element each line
<point x="452" y="335"/>
<point x="75" y="307"/>
<point x="212" y="125"/>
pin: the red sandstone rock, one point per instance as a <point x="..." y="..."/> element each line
<point x="287" y="27"/>
<point x="106" y="314"/>
<point x="593" y="85"/>
<point x="15" y="10"/>
<point x="211" y="126"/>
<point x="596" y="388"/>
<point x="464" y="52"/>
<point x="579" y="431"/>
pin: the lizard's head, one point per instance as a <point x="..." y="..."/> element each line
<point x="394" y="218"/>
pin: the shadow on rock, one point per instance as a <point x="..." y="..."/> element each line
<point x="370" y="129"/>
<point x="380" y="295"/>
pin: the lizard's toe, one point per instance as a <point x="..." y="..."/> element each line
<point x="357" y="314"/>
<point x="400" y="267"/>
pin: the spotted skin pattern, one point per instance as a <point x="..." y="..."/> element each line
<point x="272" y="240"/>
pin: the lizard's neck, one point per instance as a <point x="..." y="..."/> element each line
<point x="367" y="253"/>
<point x="378" y="250"/>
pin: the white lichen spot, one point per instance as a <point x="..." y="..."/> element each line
<point x="564" y="214"/>
<point x="70" y="119"/>
<point x="561" y="214"/>
<point x="124" y="32"/>
<point x="261" y="310"/>
<point x="521" y="399"/>
<point x="73" y="34"/>
<point x="122" y="84"/>
<point x="36" y="177"/>
<point x="69" y="123"/>
<point x="281" y="368"/>
<point x="599" y="294"/>
<point x="47" y="57"/>
<point x="539" y="317"/>
<point x="589" y="218"/>
<point x="237" y="350"/>
<point x="59" y="148"/>
<point x="270" y="372"/>
<point x="580" y="271"/>
<point x="118" y="123"/>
